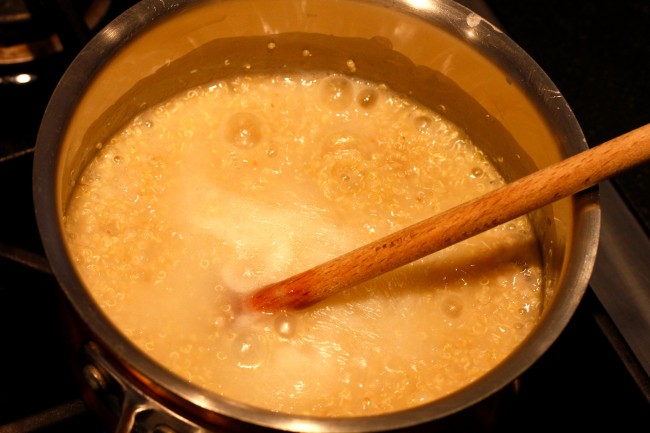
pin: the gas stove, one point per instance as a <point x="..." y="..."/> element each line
<point x="596" y="375"/>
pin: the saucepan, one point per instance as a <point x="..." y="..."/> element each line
<point x="436" y="51"/>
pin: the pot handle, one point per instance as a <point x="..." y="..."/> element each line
<point x="135" y="410"/>
<point x="132" y="404"/>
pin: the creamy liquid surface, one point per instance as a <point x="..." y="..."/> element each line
<point x="241" y="183"/>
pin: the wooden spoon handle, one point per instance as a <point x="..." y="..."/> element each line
<point x="457" y="224"/>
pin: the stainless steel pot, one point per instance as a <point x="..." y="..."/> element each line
<point x="436" y="51"/>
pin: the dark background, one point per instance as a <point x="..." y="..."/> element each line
<point x="598" y="55"/>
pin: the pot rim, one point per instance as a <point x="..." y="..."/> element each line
<point x="461" y="23"/>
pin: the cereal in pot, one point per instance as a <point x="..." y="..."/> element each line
<point x="243" y="182"/>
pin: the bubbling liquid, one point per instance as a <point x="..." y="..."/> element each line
<point x="243" y="182"/>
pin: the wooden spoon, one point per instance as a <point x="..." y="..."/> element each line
<point x="457" y="224"/>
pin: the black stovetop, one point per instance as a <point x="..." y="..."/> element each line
<point x="595" y="376"/>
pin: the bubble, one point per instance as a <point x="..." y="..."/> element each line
<point x="367" y="98"/>
<point x="336" y="93"/>
<point x="249" y="350"/>
<point x="422" y="123"/>
<point x="244" y="130"/>
<point x="452" y="306"/>
<point x="221" y="320"/>
<point x="476" y="172"/>
<point x="350" y="178"/>
<point x="285" y="326"/>
<point x="343" y="172"/>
